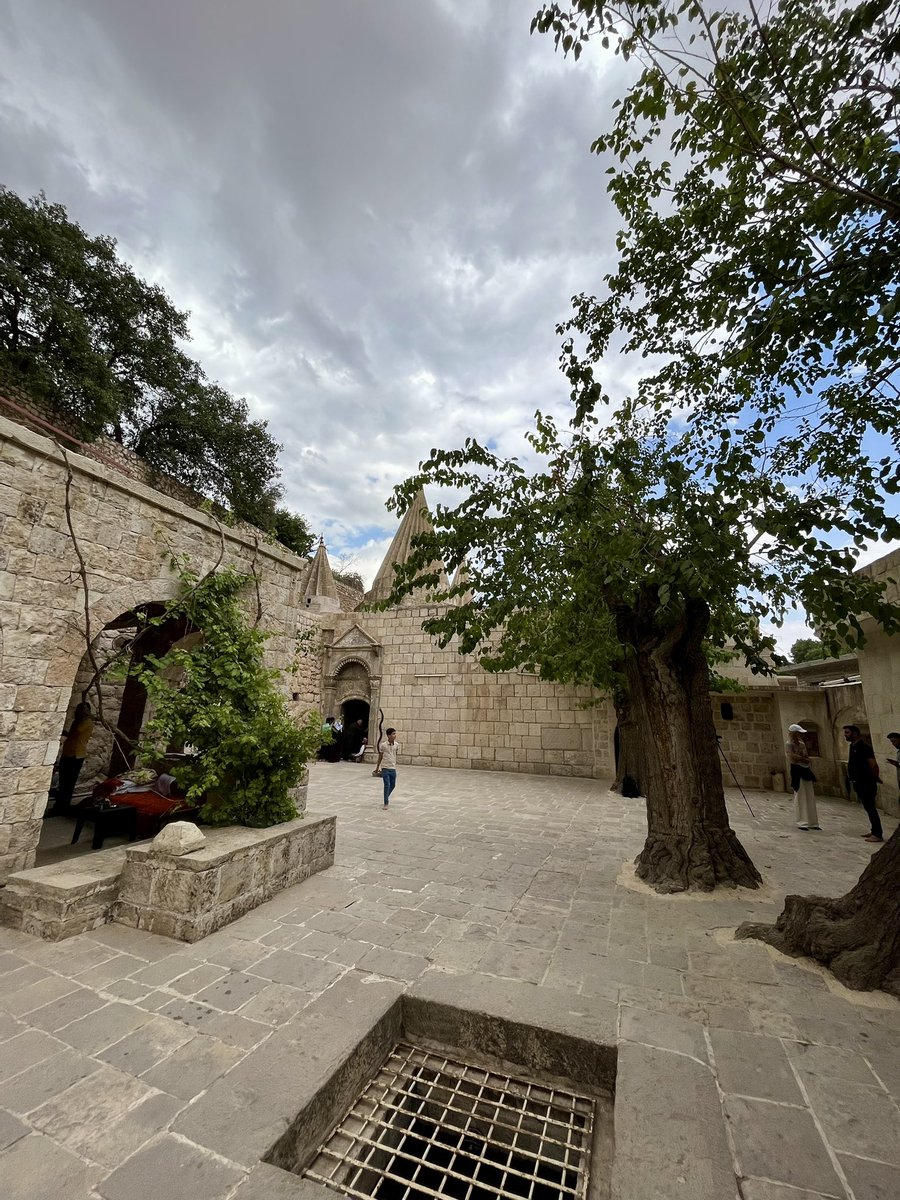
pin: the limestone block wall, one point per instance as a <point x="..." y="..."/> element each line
<point x="879" y="670"/>
<point x="306" y="667"/>
<point x="451" y="713"/>
<point x="127" y="533"/>
<point x="100" y="746"/>
<point x="750" y="739"/>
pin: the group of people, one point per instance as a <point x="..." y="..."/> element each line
<point x="348" y="743"/>
<point x="863" y="775"/>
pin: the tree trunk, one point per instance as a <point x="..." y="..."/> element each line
<point x="628" y="748"/>
<point x="857" y="935"/>
<point x="690" y="844"/>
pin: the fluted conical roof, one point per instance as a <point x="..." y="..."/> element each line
<point x="416" y="520"/>
<point x="320" y="591"/>
<point x="462" y="579"/>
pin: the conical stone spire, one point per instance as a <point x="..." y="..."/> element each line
<point x="320" y="591"/>
<point x="462" y="579"/>
<point x="416" y="520"/>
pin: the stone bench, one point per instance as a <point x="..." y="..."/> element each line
<point x="191" y="895"/>
<point x="184" y="897"/>
<point x="66" y="898"/>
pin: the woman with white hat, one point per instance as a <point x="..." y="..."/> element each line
<point x="802" y="779"/>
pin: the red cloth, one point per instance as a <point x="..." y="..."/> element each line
<point x="151" y="807"/>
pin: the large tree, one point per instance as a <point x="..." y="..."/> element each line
<point x="807" y="650"/>
<point x="754" y="164"/>
<point x="80" y="330"/>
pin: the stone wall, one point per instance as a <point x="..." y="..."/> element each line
<point x="100" y="747"/>
<point x="127" y="533"/>
<point x="449" y="712"/>
<point x="750" y="738"/>
<point x="191" y="896"/>
<point x="879" y="670"/>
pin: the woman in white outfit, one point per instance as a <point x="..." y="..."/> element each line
<point x="802" y="780"/>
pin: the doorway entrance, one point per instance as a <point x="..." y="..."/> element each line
<point x="355" y="710"/>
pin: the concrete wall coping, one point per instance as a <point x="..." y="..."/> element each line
<point x="48" y="449"/>
<point x="226" y="843"/>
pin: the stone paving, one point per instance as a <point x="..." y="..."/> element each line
<point x="108" y="1039"/>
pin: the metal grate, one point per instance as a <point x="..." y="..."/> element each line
<point x="429" y="1126"/>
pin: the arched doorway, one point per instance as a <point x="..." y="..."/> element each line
<point x="355" y="710"/>
<point x="118" y="708"/>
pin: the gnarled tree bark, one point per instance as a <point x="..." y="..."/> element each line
<point x="856" y="935"/>
<point x="690" y="844"/>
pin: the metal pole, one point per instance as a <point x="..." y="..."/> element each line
<point x="734" y="777"/>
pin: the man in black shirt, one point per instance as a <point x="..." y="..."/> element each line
<point x="862" y="771"/>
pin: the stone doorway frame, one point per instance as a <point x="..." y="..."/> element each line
<point x="352" y="648"/>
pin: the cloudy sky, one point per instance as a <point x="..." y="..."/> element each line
<point x="375" y="213"/>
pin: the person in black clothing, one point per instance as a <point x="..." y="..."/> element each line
<point x="355" y="740"/>
<point x="863" y="773"/>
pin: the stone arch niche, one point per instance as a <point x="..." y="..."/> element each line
<point x="853" y="713"/>
<point x="352" y="673"/>
<point x="126" y="641"/>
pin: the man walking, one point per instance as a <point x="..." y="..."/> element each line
<point x="386" y="767"/>
<point x="864" y="776"/>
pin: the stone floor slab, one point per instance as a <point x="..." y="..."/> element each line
<point x="525" y="877"/>
<point x="752" y="1065"/>
<point x="777" y="1142"/>
<point x="178" y="1171"/>
<point x="857" y="1120"/>
<point x="870" y="1180"/>
<point x="192" y="1068"/>
<point x="38" y="1168"/>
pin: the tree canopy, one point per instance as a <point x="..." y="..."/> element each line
<point x="755" y="166"/>
<point x="84" y="334"/>
<point x="807" y="650"/>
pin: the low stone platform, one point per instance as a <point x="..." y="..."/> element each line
<point x="190" y="896"/>
<point x="185" y="897"/>
<point x="64" y="899"/>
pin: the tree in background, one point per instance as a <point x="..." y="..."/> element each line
<point x="758" y="280"/>
<point x="807" y="650"/>
<point x="83" y="333"/>
<point x="350" y="579"/>
<point x="757" y="286"/>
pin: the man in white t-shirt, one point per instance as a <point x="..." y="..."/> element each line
<point x="386" y="767"/>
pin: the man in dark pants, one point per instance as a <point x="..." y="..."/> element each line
<point x="863" y="773"/>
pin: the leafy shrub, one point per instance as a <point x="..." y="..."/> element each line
<point x="219" y="698"/>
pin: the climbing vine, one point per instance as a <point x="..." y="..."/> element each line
<point x="213" y="693"/>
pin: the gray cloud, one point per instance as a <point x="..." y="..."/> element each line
<point x="375" y="213"/>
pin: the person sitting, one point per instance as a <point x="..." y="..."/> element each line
<point x="355" y="741"/>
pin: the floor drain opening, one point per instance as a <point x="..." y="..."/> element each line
<point x="429" y="1126"/>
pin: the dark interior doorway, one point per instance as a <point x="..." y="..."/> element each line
<point x="353" y="710"/>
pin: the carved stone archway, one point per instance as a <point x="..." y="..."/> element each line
<point x="352" y="671"/>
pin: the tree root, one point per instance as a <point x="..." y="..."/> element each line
<point x="857" y="935"/>
<point x="706" y="859"/>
